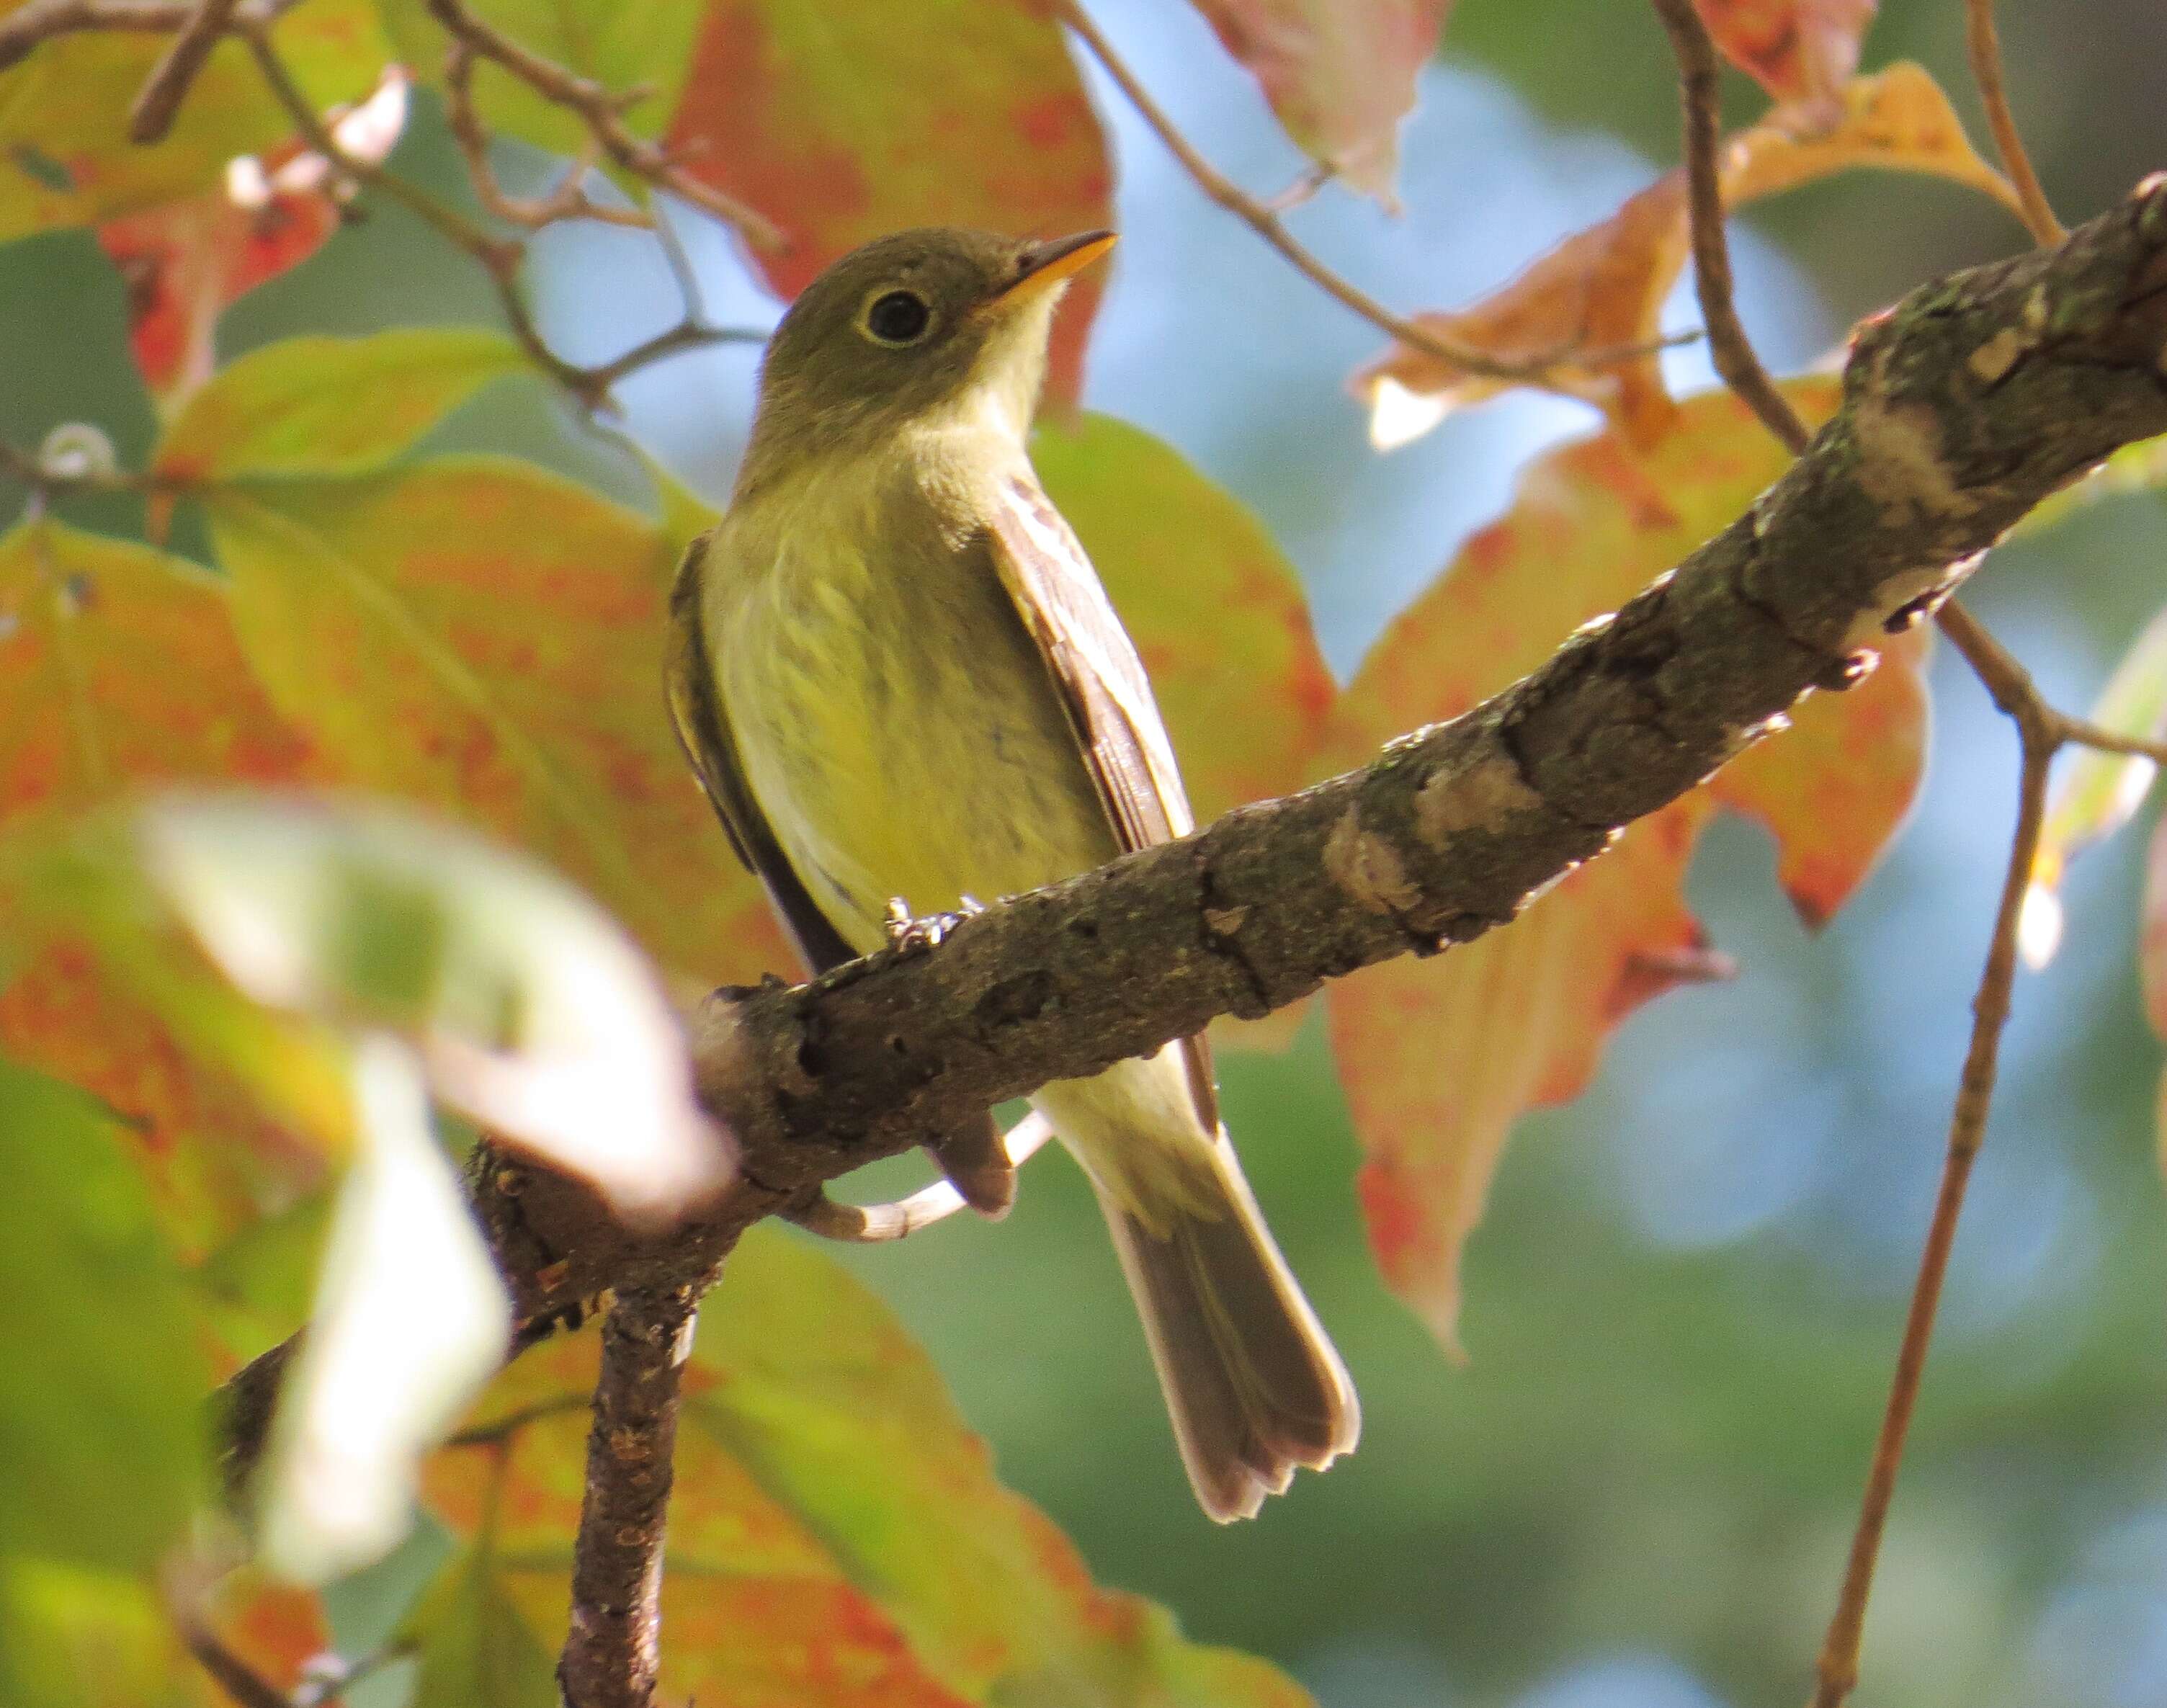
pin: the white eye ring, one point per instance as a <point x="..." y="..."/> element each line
<point x="895" y="316"/>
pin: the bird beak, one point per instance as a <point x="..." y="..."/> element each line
<point x="1046" y="265"/>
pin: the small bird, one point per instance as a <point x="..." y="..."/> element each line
<point x="898" y="676"/>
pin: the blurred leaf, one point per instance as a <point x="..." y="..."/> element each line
<point x="184" y="261"/>
<point x="1218" y="616"/>
<point x="622" y="44"/>
<point x="535" y="1014"/>
<point x="2141" y="467"/>
<point x="2099" y="792"/>
<point x="842" y="123"/>
<point x="329" y="406"/>
<point x="474" y="1649"/>
<point x="1801" y="51"/>
<point x="72" y="1636"/>
<point x="411" y="1320"/>
<point x="486" y="639"/>
<point x="256" y="1285"/>
<point x="65" y="157"/>
<point x="1603" y="287"/>
<point x="836" y="1535"/>
<point x="100" y="1424"/>
<point x="1439" y="1058"/>
<point x="1339" y="73"/>
<point x="2152" y="935"/>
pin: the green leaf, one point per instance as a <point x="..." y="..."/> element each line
<point x="839" y="126"/>
<point x="100" y="1416"/>
<point x="56" y="1615"/>
<point x="329" y="405"/>
<point x="482" y="638"/>
<point x="475" y="1649"/>
<point x="1440" y="1058"/>
<point x="622" y="44"/>
<point x="2099" y="792"/>
<point x="65" y="157"/>
<point x="837" y="1536"/>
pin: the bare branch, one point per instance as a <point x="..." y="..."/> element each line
<point x="569" y="200"/>
<point x="613" y="1648"/>
<point x="2042" y="732"/>
<point x="1265" y="220"/>
<point x="1983" y="43"/>
<point x="41" y="20"/>
<point x="157" y="107"/>
<point x="1728" y="344"/>
<point x="233" y="1675"/>
<point x="603" y="111"/>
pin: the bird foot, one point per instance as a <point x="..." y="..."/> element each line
<point x="910" y="934"/>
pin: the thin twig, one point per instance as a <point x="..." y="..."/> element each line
<point x="569" y="200"/>
<point x="1267" y="225"/>
<point x="40" y="20"/>
<point x="603" y="111"/>
<point x="612" y="1650"/>
<point x="2042" y="732"/>
<point x="247" y="1687"/>
<point x="160" y="102"/>
<point x="1983" y="43"/>
<point x="1728" y="344"/>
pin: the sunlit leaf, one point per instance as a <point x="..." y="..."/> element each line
<point x="836" y="1536"/>
<point x="1339" y="73"/>
<point x="64" y="155"/>
<point x="1439" y="1058"/>
<point x="486" y="639"/>
<point x="1801" y="51"/>
<point x="534" y="1012"/>
<point x="1602" y="291"/>
<point x="841" y="126"/>
<point x="184" y="261"/>
<point x="100" y="1417"/>
<point x="328" y="405"/>
<point x="409" y="1321"/>
<point x="2098" y="792"/>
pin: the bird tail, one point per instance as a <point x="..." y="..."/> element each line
<point x="1254" y="1387"/>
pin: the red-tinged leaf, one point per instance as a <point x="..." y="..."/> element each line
<point x="1217" y="612"/>
<point x="485" y="638"/>
<point x="1801" y="51"/>
<point x="118" y="669"/>
<point x="328" y="405"/>
<point x="1602" y="288"/>
<point x="2098" y="792"/>
<point x="64" y="155"/>
<point x="839" y="127"/>
<point x="1440" y="1058"/>
<point x="643" y="46"/>
<point x="837" y="1536"/>
<point x="275" y="1630"/>
<point x="1339" y="73"/>
<point x="185" y="261"/>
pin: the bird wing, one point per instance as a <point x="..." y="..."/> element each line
<point x="972" y="1157"/>
<point x="704" y="732"/>
<point x="1094" y="664"/>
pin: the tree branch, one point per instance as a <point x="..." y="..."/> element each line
<point x="1964" y="406"/>
<point x="1983" y="44"/>
<point x="612" y="1650"/>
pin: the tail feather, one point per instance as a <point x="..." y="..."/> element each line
<point x="1252" y="1383"/>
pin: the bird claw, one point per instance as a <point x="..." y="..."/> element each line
<point x="911" y="935"/>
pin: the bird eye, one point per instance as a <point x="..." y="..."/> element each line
<point x="898" y="317"/>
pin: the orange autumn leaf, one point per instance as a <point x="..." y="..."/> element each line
<point x="1440" y="1058"/>
<point x="185" y="261"/>
<point x="1801" y="51"/>
<point x="1602" y="288"/>
<point x="837" y="1539"/>
<point x="839" y="127"/>
<point x="1339" y="73"/>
